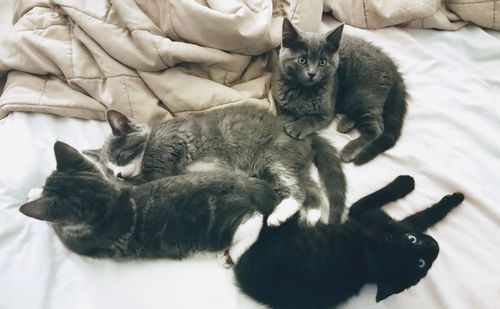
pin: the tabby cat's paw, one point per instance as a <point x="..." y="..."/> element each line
<point x="345" y="125"/>
<point x="275" y="220"/>
<point x="310" y="216"/>
<point x="295" y="131"/>
<point x="285" y="209"/>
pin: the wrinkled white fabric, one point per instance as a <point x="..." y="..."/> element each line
<point x="449" y="143"/>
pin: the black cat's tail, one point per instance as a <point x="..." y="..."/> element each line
<point x="330" y="172"/>
<point x="394" y="113"/>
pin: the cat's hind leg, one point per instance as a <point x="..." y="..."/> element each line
<point x="365" y="108"/>
<point x="315" y="203"/>
<point x="370" y="125"/>
<point x="286" y="182"/>
<point x="395" y="190"/>
<point x="346" y="124"/>
<point x="428" y="217"/>
<point x="245" y="236"/>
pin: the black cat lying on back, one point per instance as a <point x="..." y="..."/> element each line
<point x="320" y="75"/>
<point x="303" y="267"/>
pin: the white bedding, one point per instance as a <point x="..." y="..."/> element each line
<point x="450" y="143"/>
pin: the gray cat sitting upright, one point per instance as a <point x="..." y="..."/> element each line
<point x="172" y="217"/>
<point x="320" y="75"/>
<point x="241" y="139"/>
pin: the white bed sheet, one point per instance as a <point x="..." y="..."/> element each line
<point x="450" y="143"/>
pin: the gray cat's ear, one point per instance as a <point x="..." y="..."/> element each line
<point x="68" y="158"/>
<point x="333" y="38"/>
<point x="119" y="123"/>
<point x="93" y="153"/>
<point x="289" y="33"/>
<point x="39" y="209"/>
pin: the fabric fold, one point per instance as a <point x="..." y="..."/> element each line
<point x="147" y="59"/>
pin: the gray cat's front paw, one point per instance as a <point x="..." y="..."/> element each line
<point x="311" y="216"/>
<point x="295" y="131"/>
<point x="349" y="153"/>
<point x="287" y="208"/>
<point x="345" y="124"/>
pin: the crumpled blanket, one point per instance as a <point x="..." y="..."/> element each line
<point x="153" y="60"/>
<point x="148" y="59"/>
<point x="437" y="14"/>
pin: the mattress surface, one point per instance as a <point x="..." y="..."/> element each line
<point x="450" y="142"/>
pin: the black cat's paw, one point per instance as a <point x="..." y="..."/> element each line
<point x="345" y="125"/>
<point x="295" y="131"/>
<point x="453" y="199"/>
<point x="405" y="184"/>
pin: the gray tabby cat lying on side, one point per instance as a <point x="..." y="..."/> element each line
<point x="172" y="217"/>
<point x="320" y="75"/>
<point x="242" y="139"/>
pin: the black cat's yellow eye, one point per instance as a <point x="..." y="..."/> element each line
<point x="412" y="238"/>
<point x="421" y="263"/>
<point x="302" y="60"/>
<point x="322" y="62"/>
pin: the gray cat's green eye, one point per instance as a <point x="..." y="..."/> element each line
<point x="302" y="60"/>
<point x="322" y="62"/>
<point x="421" y="263"/>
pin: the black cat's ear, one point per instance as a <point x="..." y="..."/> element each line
<point x="289" y="33"/>
<point x="68" y="157"/>
<point x="119" y="123"/>
<point x="333" y="38"/>
<point x="39" y="209"/>
<point x="384" y="290"/>
<point x="93" y="153"/>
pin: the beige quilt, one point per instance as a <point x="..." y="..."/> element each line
<point x="153" y="60"/>
<point x="148" y="59"/>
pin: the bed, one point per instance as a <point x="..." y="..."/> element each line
<point x="449" y="143"/>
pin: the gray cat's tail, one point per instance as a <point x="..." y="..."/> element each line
<point x="331" y="175"/>
<point x="393" y="115"/>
